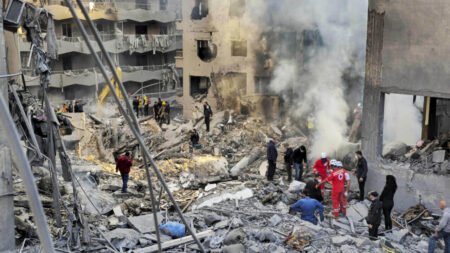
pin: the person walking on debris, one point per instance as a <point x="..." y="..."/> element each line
<point x="272" y="155"/>
<point x="321" y="167"/>
<point x="78" y="106"/>
<point x="373" y="218"/>
<point x="300" y="162"/>
<point x="288" y="161"/>
<point x="162" y="113"/>
<point x="146" y="105"/>
<point x="207" y="112"/>
<point x="141" y="106"/>
<point x="312" y="191"/>
<point x="136" y="106"/>
<point x="155" y="111"/>
<point x="387" y="197"/>
<point x="308" y="208"/>
<point x="361" y="173"/>
<point x="123" y="166"/>
<point x="167" y="112"/>
<point x="340" y="181"/>
<point x="442" y="230"/>
<point x="195" y="138"/>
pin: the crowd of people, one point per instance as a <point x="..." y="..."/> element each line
<point x="333" y="172"/>
<point x="73" y="106"/>
<point x="161" y="109"/>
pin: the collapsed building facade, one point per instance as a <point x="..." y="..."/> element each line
<point x="139" y="35"/>
<point x="408" y="56"/>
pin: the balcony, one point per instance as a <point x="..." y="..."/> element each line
<point x="116" y="44"/>
<point x="93" y="76"/>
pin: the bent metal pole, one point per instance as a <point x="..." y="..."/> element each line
<point x="128" y="119"/>
<point x="21" y="161"/>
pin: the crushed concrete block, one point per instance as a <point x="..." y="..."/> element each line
<point x="210" y="187"/>
<point x="349" y="249"/>
<point x="235" y="248"/>
<point x="282" y="207"/>
<point x="144" y="223"/>
<point x="358" y="211"/>
<point x="265" y="235"/>
<point x="212" y="218"/>
<point x="422" y="246"/>
<point x="439" y="156"/>
<point x="236" y="193"/>
<point x="263" y="168"/>
<point x="221" y="224"/>
<point x="362" y="242"/>
<point x="254" y="249"/>
<point x="234" y="236"/>
<point x="341" y="240"/>
<point x="395" y="149"/>
<point x="275" y="220"/>
<point x="296" y="186"/>
<point x="123" y="238"/>
<point x="397" y="235"/>
<point x="275" y="248"/>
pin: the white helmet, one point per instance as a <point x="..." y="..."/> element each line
<point x="333" y="162"/>
<point x="339" y="164"/>
<point x="323" y="155"/>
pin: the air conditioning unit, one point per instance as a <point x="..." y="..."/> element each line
<point x="14" y="11"/>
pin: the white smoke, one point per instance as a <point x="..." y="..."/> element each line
<point x="402" y="119"/>
<point x="318" y="83"/>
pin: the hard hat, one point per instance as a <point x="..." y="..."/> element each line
<point x="323" y="155"/>
<point x="333" y="162"/>
<point x="339" y="164"/>
<point x="164" y="103"/>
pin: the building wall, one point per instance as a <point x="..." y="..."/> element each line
<point x="406" y="53"/>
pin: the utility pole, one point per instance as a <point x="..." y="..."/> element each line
<point x="7" y="230"/>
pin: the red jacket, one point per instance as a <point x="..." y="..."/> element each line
<point x="321" y="168"/>
<point x="338" y="178"/>
<point x="124" y="164"/>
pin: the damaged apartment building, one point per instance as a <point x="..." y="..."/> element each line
<point x="407" y="54"/>
<point x="230" y="62"/>
<point x="139" y="35"/>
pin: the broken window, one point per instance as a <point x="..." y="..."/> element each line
<point x="140" y="29"/>
<point x="237" y="8"/>
<point x="199" y="85"/>
<point x="262" y="84"/>
<point x="312" y="40"/>
<point x="206" y="50"/>
<point x="67" y="30"/>
<point x="66" y="62"/>
<point x="239" y="48"/>
<point x="200" y="10"/>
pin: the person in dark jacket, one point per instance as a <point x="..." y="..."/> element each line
<point x="361" y="173"/>
<point x="300" y="159"/>
<point x="272" y="155"/>
<point x="374" y="216"/>
<point x="288" y="161"/>
<point x="312" y="191"/>
<point x="123" y="166"/>
<point x="387" y="197"/>
<point x="207" y="112"/>
<point x="136" y="106"/>
<point x="195" y="138"/>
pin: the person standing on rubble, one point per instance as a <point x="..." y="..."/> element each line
<point x="272" y="155"/>
<point x="207" y="113"/>
<point x="123" y="166"/>
<point x="442" y="230"/>
<point x="300" y="161"/>
<point x="167" y="112"/>
<point x="288" y="161"/>
<point x="136" y="105"/>
<point x="146" y="105"/>
<point x="141" y="106"/>
<point x="321" y="168"/>
<point x="308" y="208"/>
<point x="155" y="111"/>
<point x="387" y="197"/>
<point x="340" y="182"/>
<point x="361" y="173"/>
<point x="373" y="218"/>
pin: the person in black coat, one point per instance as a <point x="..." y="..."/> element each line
<point x="288" y="161"/>
<point x="387" y="197"/>
<point x="374" y="216"/>
<point x="313" y="192"/>
<point x="361" y="173"/>
<point x="300" y="159"/>
<point x="272" y="155"/>
<point x="136" y="106"/>
<point x="207" y="113"/>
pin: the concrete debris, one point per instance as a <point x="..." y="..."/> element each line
<point x="235" y="248"/>
<point x="394" y="149"/>
<point x="234" y="237"/>
<point x="123" y="238"/>
<point x="439" y="156"/>
<point x="145" y="223"/>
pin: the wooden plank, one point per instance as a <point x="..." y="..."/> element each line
<point x="176" y="242"/>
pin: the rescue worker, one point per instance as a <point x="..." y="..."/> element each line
<point x="288" y="161"/>
<point x="162" y="113"/>
<point x="272" y="155"/>
<point x="136" y="106"/>
<point x="141" y="106"/>
<point x="207" y="113"/>
<point x="167" y="112"/>
<point x="340" y="181"/>
<point x="123" y="166"/>
<point x="442" y="230"/>
<point x="300" y="161"/>
<point x="321" y="168"/>
<point x="361" y="173"/>
<point x="308" y="208"/>
<point x="373" y="218"/>
<point x="146" y="105"/>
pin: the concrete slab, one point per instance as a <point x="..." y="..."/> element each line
<point x="144" y="223"/>
<point x="439" y="156"/>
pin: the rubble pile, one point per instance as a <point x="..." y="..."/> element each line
<point x="425" y="157"/>
<point x="220" y="188"/>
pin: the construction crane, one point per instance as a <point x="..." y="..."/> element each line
<point x="106" y="91"/>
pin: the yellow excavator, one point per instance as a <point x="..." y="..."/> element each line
<point x="105" y="91"/>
